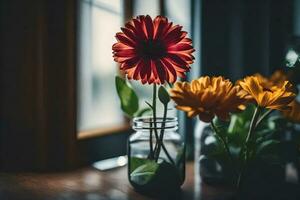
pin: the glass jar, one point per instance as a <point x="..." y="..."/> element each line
<point x="156" y="156"/>
<point x="211" y="167"/>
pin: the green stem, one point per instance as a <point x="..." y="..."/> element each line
<point x="222" y="139"/>
<point x="253" y="123"/>
<point x="161" y="136"/>
<point x="157" y="145"/>
<point x="155" y="125"/>
<point x="246" y="146"/>
<point x="151" y="155"/>
<point x="165" y="150"/>
<point x="167" y="153"/>
<point x="263" y="117"/>
<point x="154" y="112"/>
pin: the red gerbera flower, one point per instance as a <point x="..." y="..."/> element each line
<point x="153" y="51"/>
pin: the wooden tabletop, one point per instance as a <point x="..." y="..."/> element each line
<point x="90" y="184"/>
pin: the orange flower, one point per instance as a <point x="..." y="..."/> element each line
<point x="207" y="97"/>
<point x="267" y="94"/>
<point x="277" y="78"/>
<point x="153" y="51"/>
<point x="294" y="113"/>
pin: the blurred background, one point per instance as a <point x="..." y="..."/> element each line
<point x="58" y="105"/>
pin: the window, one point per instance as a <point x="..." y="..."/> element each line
<point x="98" y="105"/>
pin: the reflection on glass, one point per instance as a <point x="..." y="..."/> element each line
<point x="98" y="102"/>
<point x="291" y="57"/>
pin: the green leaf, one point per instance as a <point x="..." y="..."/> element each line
<point x="269" y="146"/>
<point x="144" y="173"/>
<point x="264" y="133"/>
<point x="163" y="95"/>
<point x="156" y="177"/>
<point x="128" y="98"/>
<point x="222" y="126"/>
<point x="277" y="122"/>
<point x="142" y="112"/>
<point x="239" y="126"/>
<point x="135" y="162"/>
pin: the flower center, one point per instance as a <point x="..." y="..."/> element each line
<point x="151" y="49"/>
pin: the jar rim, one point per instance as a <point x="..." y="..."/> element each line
<point x="146" y="123"/>
<point x="158" y="119"/>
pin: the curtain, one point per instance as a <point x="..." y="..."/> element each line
<point x="37" y="83"/>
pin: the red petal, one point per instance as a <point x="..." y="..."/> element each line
<point x="176" y="39"/>
<point x="174" y="31"/>
<point x="149" y="26"/>
<point x="171" y="70"/>
<point x="161" y="26"/>
<point x="179" y="68"/>
<point x="133" y="61"/>
<point x="149" y="71"/>
<point x="137" y="70"/>
<point x="139" y="29"/>
<point x="142" y="20"/>
<point x="121" y="59"/>
<point x="120" y="47"/>
<point x="130" y="34"/>
<point x="177" y="59"/>
<point x="154" y="74"/>
<point x="126" y="53"/>
<point x="160" y="72"/>
<point x="186" y="40"/>
<point x="121" y="37"/>
<point x="180" y="47"/>
<point x="130" y="26"/>
<point x="145" y="70"/>
<point x="153" y="68"/>
<point x="130" y="73"/>
<point x="185" y="56"/>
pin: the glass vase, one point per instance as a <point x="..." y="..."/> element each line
<point x="212" y="170"/>
<point x="156" y="156"/>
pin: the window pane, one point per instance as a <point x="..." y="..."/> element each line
<point x="146" y="7"/>
<point x="114" y="5"/>
<point x="98" y="102"/>
<point x="179" y="12"/>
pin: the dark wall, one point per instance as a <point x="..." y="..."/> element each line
<point x="37" y="84"/>
<point x="244" y="36"/>
<point x="17" y="30"/>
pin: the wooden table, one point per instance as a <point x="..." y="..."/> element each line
<point x="90" y="184"/>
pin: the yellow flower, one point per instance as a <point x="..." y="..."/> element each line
<point x="270" y="95"/>
<point x="207" y="97"/>
<point x="294" y="113"/>
<point x="277" y="78"/>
